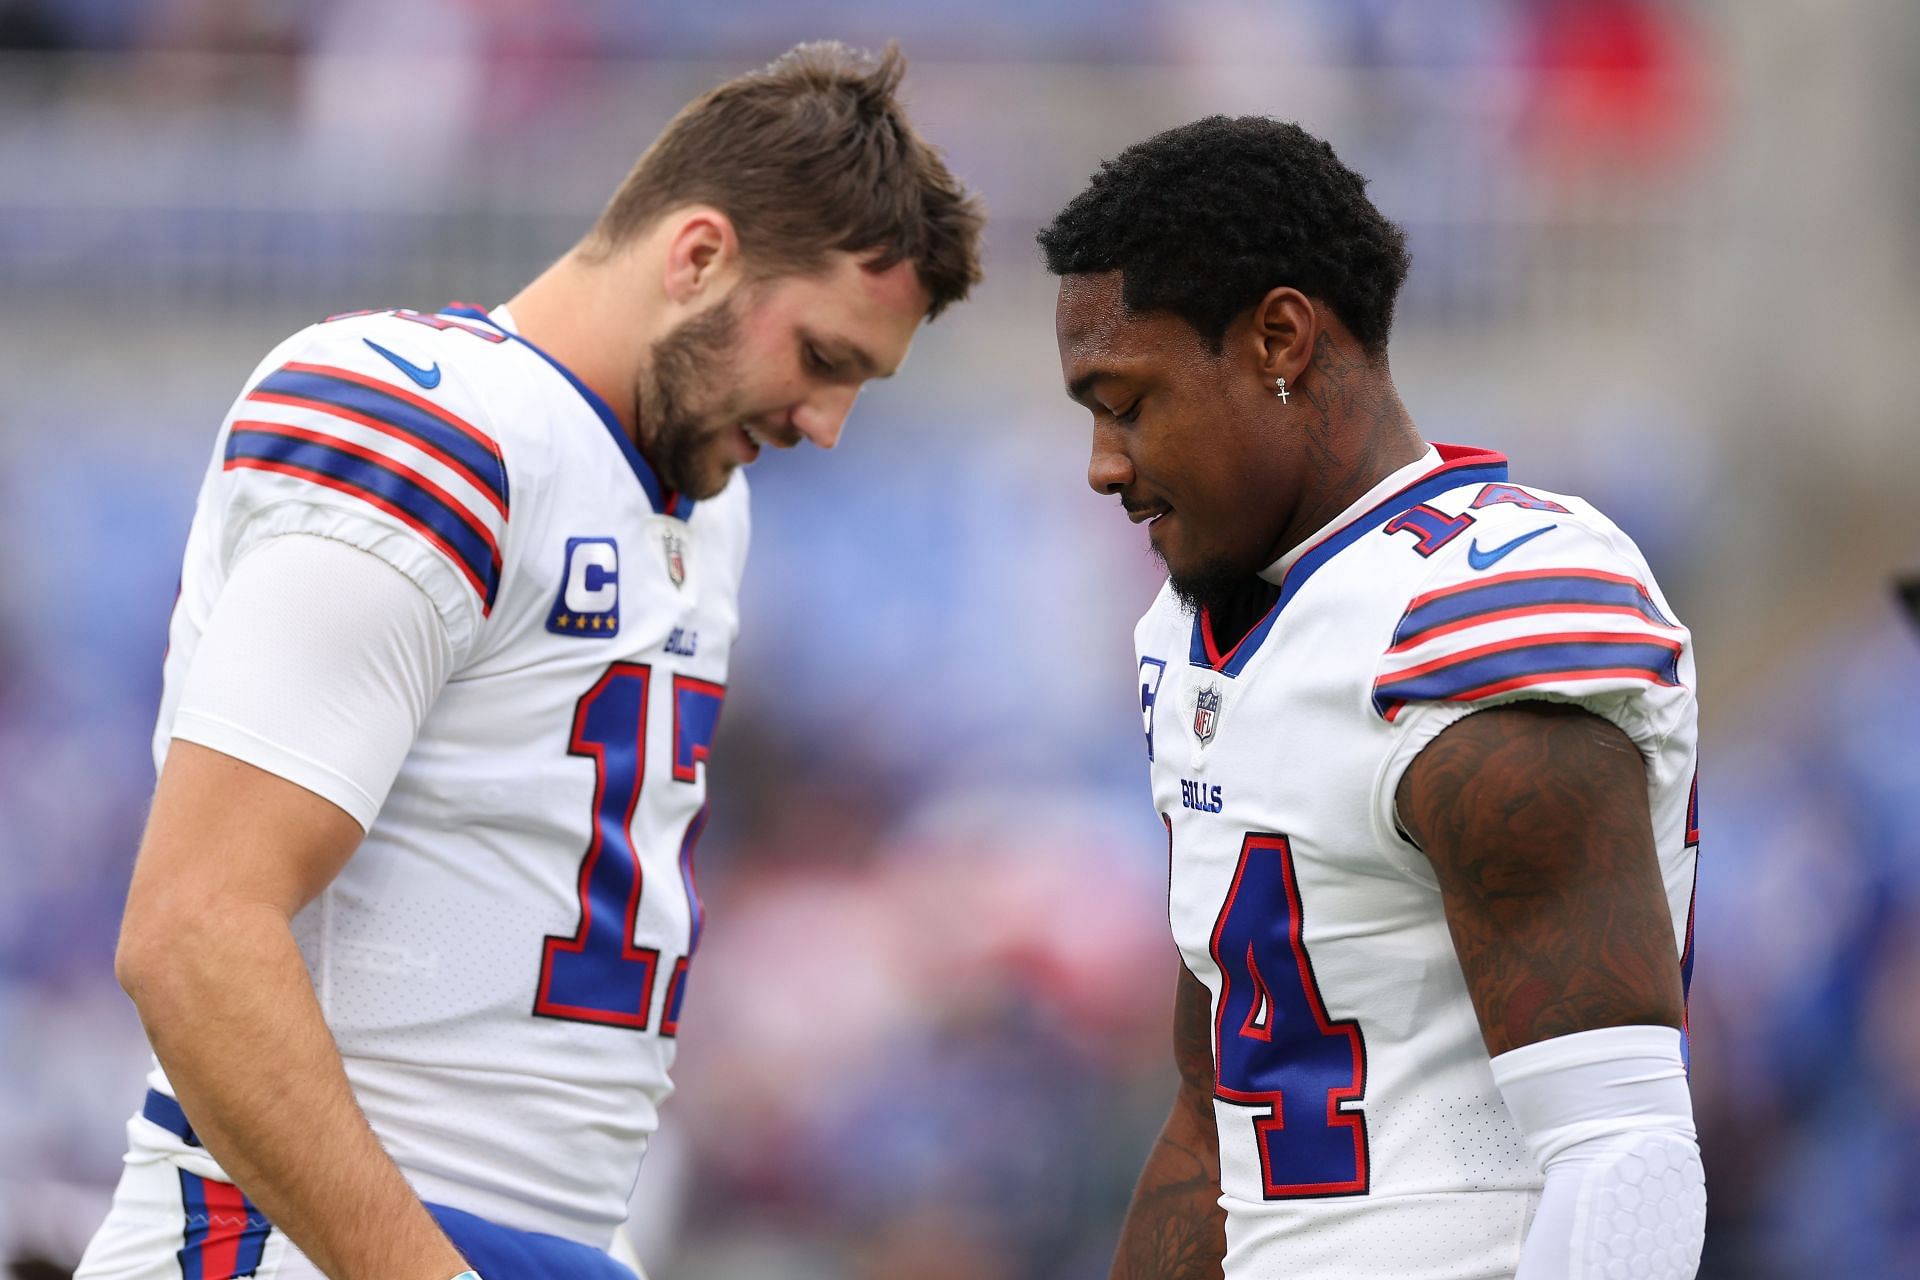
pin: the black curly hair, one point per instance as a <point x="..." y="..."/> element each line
<point x="1203" y="220"/>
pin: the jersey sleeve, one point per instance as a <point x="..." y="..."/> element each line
<point x="318" y="665"/>
<point x="370" y="442"/>
<point x="1571" y="614"/>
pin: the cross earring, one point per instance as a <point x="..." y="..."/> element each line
<point x="1282" y="392"/>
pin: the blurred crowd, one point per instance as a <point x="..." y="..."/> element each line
<point x="927" y="1032"/>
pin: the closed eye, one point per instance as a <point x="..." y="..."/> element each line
<point x="1128" y="416"/>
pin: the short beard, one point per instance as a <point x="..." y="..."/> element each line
<point x="1218" y="588"/>
<point x="678" y="401"/>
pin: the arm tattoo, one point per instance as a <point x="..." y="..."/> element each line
<point x="1175" y="1228"/>
<point x="1193" y="1036"/>
<point x="1535" y="818"/>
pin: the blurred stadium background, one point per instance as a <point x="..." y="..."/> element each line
<point x="1665" y="256"/>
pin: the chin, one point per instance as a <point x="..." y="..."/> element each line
<point x="710" y="483"/>
<point x="704" y="487"/>
<point x="696" y="477"/>
<point x="1208" y="584"/>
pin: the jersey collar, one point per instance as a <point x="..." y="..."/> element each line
<point x="664" y="501"/>
<point x="1442" y="467"/>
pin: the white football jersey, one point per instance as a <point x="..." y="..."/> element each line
<point x="1361" y="1134"/>
<point x="502" y="962"/>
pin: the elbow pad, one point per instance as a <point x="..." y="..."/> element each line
<point x="1607" y="1116"/>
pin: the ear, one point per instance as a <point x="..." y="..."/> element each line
<point x="1285" y="328"/>
<point x="702" y="254"/>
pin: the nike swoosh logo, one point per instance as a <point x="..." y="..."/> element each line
<point x="428" y="378"/>
<point x="1481" y="559"/>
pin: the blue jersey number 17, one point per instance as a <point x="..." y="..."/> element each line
<point x="599" y="974"/>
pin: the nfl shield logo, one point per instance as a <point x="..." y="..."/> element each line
<point x="676" y="556"/>
<point x="1206" y="713"/>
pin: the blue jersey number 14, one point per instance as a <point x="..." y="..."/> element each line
<point x="1274" y="1047"/>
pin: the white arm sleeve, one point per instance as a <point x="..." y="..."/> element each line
<point x="1607" y="1115"/>
<point x="318" y="664"/>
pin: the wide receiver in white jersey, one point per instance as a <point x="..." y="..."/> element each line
<point x="1424" y="742"/>
<point x="411" y="923"/>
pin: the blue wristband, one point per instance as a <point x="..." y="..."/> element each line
<point x="468" y="1274"/>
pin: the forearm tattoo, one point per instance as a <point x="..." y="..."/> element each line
<point x="1175" y="1228"/>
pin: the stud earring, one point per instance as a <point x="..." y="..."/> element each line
<point x="1282" y="392"/>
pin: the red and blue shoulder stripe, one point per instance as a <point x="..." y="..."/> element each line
<point x="1527" y="662"/>
<point x="345" y="439"/>
<point x="1522" y="594"/>
<point x="393" y="411"/>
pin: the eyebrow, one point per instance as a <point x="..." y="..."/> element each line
<point x="1078" y="388"/>
<point x="840" y="352"/>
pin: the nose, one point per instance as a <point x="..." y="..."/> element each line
<point x="1109" y="470"/>
<point x="822" y="415"/>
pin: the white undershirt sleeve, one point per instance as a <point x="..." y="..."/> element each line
<point x="318" y="664"/>
<point x="1608" y="1117"/>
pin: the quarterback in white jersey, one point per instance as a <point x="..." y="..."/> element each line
<point x="1424" y="743"/>
<point x="567" y="581"/>
<point x="412" y="924"/>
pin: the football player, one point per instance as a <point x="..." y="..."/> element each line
<point x="1423" y="739"/>
<point x="411" y="924"/>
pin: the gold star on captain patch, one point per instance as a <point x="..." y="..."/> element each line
<point x="565" y="618"/>
<point x="597" y="621"/>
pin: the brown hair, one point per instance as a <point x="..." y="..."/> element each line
<point x="810" y="155"/>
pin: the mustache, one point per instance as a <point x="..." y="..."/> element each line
<point x="784" y="436"/>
